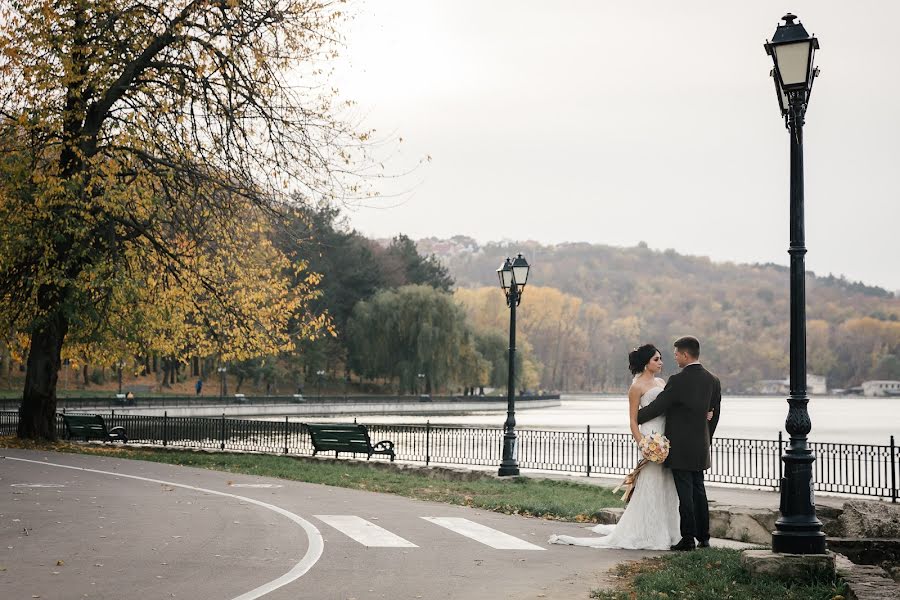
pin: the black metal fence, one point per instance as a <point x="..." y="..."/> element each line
<point x="112" y="403"/>
<point x="862" y="469"/>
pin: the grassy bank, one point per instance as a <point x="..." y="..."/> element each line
<point x="710" y="574"/>
<point x="550" y="499"/>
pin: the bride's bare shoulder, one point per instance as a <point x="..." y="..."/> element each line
<point x="638" y="389"/>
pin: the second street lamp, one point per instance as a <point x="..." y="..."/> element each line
<point x="121" y="365"/>
<point x="222" y="371"/>
<point x="319" y="375"/>
<point x="513" y="276"/>
<point x="420" y="379"/>
<point x="797" y="530"/>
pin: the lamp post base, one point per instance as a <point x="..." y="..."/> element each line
<point x="798" y="542"/>
<point x="798" y="530"/>
<point x="509" y="465"/>
<point x="507" y="470"/>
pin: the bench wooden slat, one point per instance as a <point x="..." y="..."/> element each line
<point x="340" y="437"/>
<point x="92" y="427"/>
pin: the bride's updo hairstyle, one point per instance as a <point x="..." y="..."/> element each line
<point x="639" y="357"/>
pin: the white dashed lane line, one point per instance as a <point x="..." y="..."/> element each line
<point x="366" y="533"/>
<point x="483" y="534"/>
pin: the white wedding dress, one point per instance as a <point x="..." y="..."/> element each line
<point x="650" y="521"/>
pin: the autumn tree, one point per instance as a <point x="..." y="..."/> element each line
<point x="493" y="347"/>
<point x="144" y="147"/>
<point x="414" y="329"/>
<point x="405" y="263"/>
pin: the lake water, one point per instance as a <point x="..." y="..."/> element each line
<point x="834" y="419"/>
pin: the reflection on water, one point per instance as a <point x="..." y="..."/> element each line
<point x="854" y="420"/>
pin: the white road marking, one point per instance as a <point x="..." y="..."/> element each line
<point x="37" y="485"/>
<point x="366" y="533"/>
<point x="313" y="553"/>
<point x="256" y="485"/>
<point x="481" y="533"/>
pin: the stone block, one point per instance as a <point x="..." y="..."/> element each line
<point x="825" y="512"/>
<point x="788" y="567"/>
<point x="719" y="518"/>
<point x="830" y="518"/>
<point x="862" y="519"/>
<point x="745" y="524"/>
<point x="753" y="525"/>
<point x="609" y="516"/>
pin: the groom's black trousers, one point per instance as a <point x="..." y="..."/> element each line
<point x="692" y="504"/>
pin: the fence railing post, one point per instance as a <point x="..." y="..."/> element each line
<point x="222" y="434"/>
<point x="285" y="434"/>
<point x="428" y="442"/>
<point x="588" y="453"/>
<point x="780" y="466"/>
<point x="165" y="428"/>
<point x="893" y="471"/>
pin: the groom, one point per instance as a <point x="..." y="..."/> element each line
<point x="685" y="401"/>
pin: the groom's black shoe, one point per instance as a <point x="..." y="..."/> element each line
<point x="703" y="544"/>
<point x="686" y="544"/>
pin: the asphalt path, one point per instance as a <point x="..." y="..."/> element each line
<point x="114" y="528"/>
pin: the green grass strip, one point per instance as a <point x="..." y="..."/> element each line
<point x="711" y="574"/>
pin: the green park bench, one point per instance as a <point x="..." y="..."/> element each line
<point x="92" y="427"/>
<point x="346" y="438"/>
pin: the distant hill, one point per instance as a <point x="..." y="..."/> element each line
<point x="740" y="311"/>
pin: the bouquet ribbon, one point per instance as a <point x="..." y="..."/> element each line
<point x="631" y="480"/>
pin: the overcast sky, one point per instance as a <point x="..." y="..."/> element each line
<point x="620" y="122"/>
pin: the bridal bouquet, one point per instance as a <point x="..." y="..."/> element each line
<point x="655" y="447"/>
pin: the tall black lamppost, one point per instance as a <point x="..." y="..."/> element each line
<point x="513" y="276"/>
<point x="222" y="371"/>
<point x="420" y="380"/>
<point x="797" y="531"/>
<point x="121" y="365"/>
<point x="319" y="375"/>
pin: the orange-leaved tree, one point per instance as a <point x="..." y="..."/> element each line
<point x="144" y="148"/>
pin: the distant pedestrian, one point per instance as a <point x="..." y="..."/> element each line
<point x="199" y="386"/>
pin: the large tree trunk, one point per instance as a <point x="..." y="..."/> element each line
<point x="37" y="413"/>
<point x="165" y="365"/>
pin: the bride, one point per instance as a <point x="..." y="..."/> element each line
<point x="650" y="521"/>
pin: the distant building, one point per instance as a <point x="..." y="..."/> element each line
<point x="772" y="387"/>
<point x="815" y="384"/>
<point x="881" y="388"/>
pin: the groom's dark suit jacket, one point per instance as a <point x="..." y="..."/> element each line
<point x="688" y="396"/>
